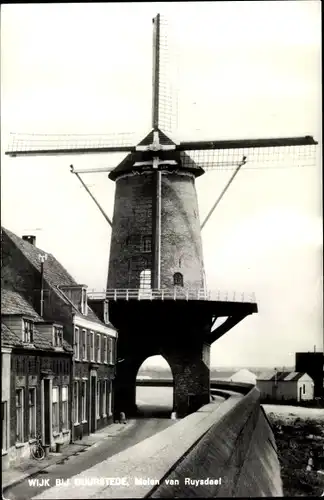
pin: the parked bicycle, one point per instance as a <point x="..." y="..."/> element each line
<point x="37" y="450"/>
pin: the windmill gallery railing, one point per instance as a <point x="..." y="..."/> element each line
<point x="172" y="294"/>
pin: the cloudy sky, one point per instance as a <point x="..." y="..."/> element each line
<point x="245" y="69"/>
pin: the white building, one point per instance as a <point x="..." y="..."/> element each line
<point x="277" y="385"/>
<point x="244" y="376"/>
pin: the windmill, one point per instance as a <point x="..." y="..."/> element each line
<point x="156" y="282"/>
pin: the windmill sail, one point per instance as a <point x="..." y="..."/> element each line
<point x="165" y="95"/>
<point x="46" y="144"/>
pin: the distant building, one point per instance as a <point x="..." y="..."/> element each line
<point x="59" y="300"/>
<point x="244" y="376"/>
<point x="312" y="363"/>
<point x="293" y="386"/>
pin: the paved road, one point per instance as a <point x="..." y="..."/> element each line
<point x="154" y="415"/>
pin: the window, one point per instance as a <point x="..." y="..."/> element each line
<point x="145" y="279"/>
<point x="98" y="399"/>
<point x="147" y="244"/>
<point x="4" y="421"/>
<point x="55" y="410"/>
<point x="32" y="413"/>
<point x="84" y="345"/>
<point x="304" y="389"/>
<point x="104" y="399"/>
<point x="105" y="349"/>
<point x="76" y="343"/>
<point x="76" y="402"/>
<point x="84" y="401"/>
<point x="111" y="351"/>
<point x="109" y="398"/>
<point x="98" y="348"/>
<point x="58" y="336"/>
<point x="20" y="415"/>
<point x="84" y="302"/>
<point x="106" y="312"/>
<point x="28" y="331"/>
<point x="92" y="346"/>
<point x="65" y="407"/>
<point x="178" y="279"/>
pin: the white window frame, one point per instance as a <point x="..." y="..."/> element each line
<point x="98" y="399"/>
<point x="92" y="346"/>
<point x="106" y="346"/>
<point x="56" y="408"/>
<point x="76" y="415"/>
<point x="32" y="414"/>
<point x="145" y="279"/>
<point x="21" y="391"/>
<point x="109" y="411"/>
<point x="83" y="401"/>
<point x="84" y="344"/>
<point x="106" y="312"/>
<point x="98" y="360"/>
<point x="27" y="339"/>
<point x="104" y="399"/>
<point x="76" y="343"/>
<point x="4" y="404"/>
<point x="84" y="302"/>
<point x="65" y="402"/>
<point x="111" y="350"/>
<point x="57" y="336"/>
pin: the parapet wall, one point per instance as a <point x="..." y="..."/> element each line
<point x="230" y="443"/>
<point x="238" y="452"/>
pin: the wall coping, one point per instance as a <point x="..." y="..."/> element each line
<point x="154" y="457"/>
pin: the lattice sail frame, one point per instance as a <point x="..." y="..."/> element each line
<point x="164" y="117"/>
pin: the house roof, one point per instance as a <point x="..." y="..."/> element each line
<point x="8" y="338"/>
<point x="54" y="273"/>
<point x="14" y="303"/>
<point x="281" y="376"/>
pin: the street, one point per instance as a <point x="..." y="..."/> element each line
<point x="150" y="403"/>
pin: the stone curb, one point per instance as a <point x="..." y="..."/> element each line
<point x="55" y="459"/>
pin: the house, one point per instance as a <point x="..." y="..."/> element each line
<point x="312" y="363"/>
<point x="36" y="376"/>
<point x="58" y="298"/>
<point x="279" y="386"/>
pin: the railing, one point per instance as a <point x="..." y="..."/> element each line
<point x="172" y="294"/>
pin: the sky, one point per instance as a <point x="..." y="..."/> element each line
<point x="244" y="69"/>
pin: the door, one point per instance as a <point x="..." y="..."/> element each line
<point x="300" y="394"/>
<point x="47" y="412"/>
<point x="93" y="404"/>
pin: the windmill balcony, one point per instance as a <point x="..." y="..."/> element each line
<point x="172" y="294"/>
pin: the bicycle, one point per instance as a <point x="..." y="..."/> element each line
<point x="37" y="451"/>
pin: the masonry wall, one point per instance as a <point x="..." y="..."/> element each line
<point x="181" y="247"/>
<point x="132" y="221"/>
<point x="26" y="370"/>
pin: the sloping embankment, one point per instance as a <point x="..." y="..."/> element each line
<point x="238" y="451"/>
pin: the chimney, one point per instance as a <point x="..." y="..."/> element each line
<point x="30" y="238"/>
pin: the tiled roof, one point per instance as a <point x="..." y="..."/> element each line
<point x="281" y="376"/>
<point x="14" y="303"/>
<point x="8" y="338"/>
<point x="54" y="273"/>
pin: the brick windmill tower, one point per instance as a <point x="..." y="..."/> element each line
<point x="156" y="286"/>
